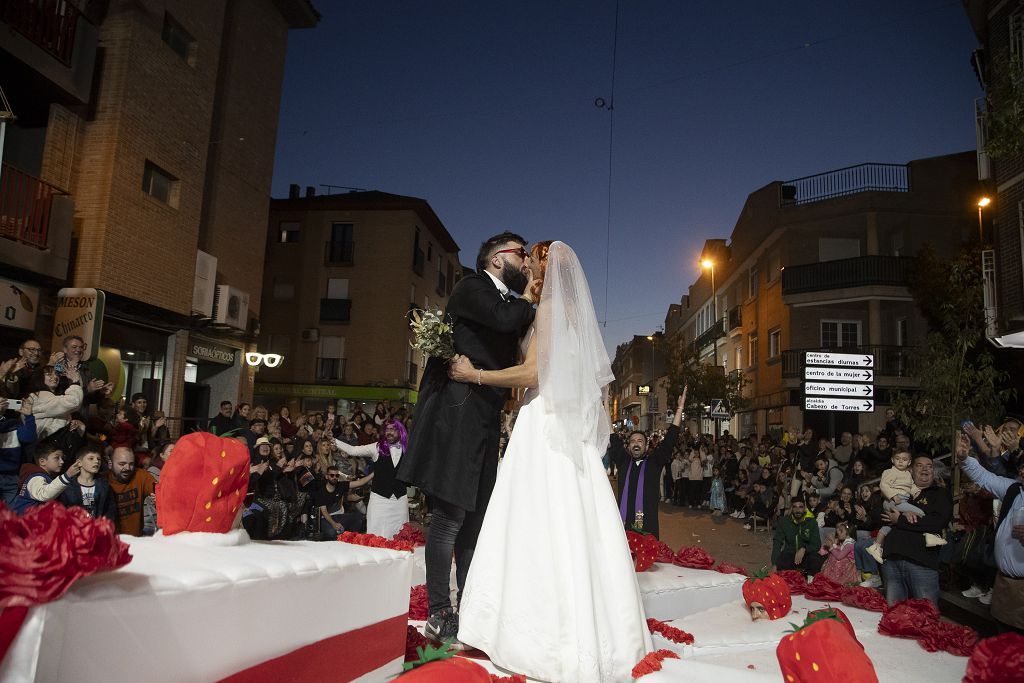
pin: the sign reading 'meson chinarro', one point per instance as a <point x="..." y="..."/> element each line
<point x="79" y="312"/>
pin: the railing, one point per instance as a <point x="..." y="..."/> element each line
<point x="50" y="24"/>
<point x="413" y="372"/>
<point x="330" y="369"/>
<point x="711" y="334"/>
<point x="339" y="253"/>
<point x="845" y="181"/>
<point x="735" y="318"/>
<point x="890" y="361"/>
<point x="860" y="271"/>
<point x="335" y="310"/>
<point x="25" y="203"/>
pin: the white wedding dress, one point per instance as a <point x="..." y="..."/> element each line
<point x="551" y="592"/>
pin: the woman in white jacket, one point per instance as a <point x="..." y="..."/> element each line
<point x="52" y="410"/>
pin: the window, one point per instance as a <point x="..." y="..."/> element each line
<point x="418" y="257"/>
<point x="898" y="243"/>
<point x="774" y="265"/>
<point x="283" y="291"/>
<point x="430" y="252"/>
<point x="752" y="350"/>
<point x="835" y="248"/>
<point x="901" y="332"/>
<point x="159" y="184"/>
<point x="705" y="318"/>
<point x="739" y="357"/>
<point x="330" y="364"/>
<point x="341" y="246"/>
<point x="179" y="40"/>
<point x="451" y="279"/>
<point x="336" y="307"/>
<point x="1016" y="25"/>
<point x="838" y="334"/>
<point x="288" y="233"/>
<point x="752" y="282"/>
<point x="337" y="288"/>
<point x="774" y="343"/>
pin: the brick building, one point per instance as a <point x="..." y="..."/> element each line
<point x="822" y="263"/>
<point x="140" y="165"/>
<point x="342" y="272"/>
<point x="637" y="395"/>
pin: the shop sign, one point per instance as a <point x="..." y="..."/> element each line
<point x="79" y="312"/>
<point x="215" y="353"/>
<point x="18" y="305"/>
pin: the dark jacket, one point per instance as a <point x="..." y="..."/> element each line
<point x="906" y="540"/>
<point x="629" y="474"/>
<point x="106" y="503"/>
<point x="453" y="448"/>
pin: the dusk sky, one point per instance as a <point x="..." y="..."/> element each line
<point x="486" y="110"/>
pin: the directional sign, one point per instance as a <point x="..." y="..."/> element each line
<point x="839" y="374"/>
<point x="839" y="389"/>
<point x="844" y="404"/>
<point x="846" y="360"/>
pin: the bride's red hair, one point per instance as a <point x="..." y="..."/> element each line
<point x="539" y="254"/>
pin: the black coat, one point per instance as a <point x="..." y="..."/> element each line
<point x="106" y="502"/>
<point x="659" y="458"/>
<point x="453" y="448"/>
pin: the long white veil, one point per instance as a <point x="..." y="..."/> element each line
<point x="572" y="363"/>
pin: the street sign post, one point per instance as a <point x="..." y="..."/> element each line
<point x="839" y="389"/>
<point x="844" y="360"/>
<point x="850" y="405"/>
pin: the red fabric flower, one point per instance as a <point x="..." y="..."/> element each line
<point x="413" y="640"/>
<point x="953" y="638"/>
<point x="664" y="553"/>
<point x="418" y="603"/>
<point x="795" y="580"/>
<point x="864" y="598"/>
<point x="374" y="541"/>
<point x="996" y="659"/>
<point x="824" y="588"/>
<point x="908" y="618"/>
<point x="411" y="534"/>
<point x="694" y="558"/>
<point x="676" y="635"/>
<point x="50" y="547"/>
<point x="643" y="548"/>
<point x="514" y="678"/>
<point x="652" y="662"/>
<point x="727" y="568"/>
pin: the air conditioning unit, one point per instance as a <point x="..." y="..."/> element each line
<point x="311" y="334"/>
<point x="231" y="307"/>
<point x="203" y="289"/>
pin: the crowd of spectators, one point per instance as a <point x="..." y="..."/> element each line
<point x="64" y="437"/>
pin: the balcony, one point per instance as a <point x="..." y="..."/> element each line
<point x="35" y="221"/>
<point x="735" y="318"/>
<point x="890" y="361"/>
<point x="710" y="335"/>
<point x="50" y="24"/>
<point x="330" y="369"/>
<point x="862" y="271"/>
<point x="335" y="310"/>
<point x="339" y="253"/>
<point x="844" y="182"/>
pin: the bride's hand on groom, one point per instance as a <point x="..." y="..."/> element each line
<point x="461" y="369"/>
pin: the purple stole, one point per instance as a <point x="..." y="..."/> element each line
<point x="638" y="494"/>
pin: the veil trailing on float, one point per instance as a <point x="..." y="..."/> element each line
<point x="572" y="364"/>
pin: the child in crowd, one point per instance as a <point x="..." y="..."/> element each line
<point x="897" y="485"/>
<point x="840" y="565"/>
<point x="38" y="484"/>
<point x="88" y="489"/>
<point x="717" y="495"/>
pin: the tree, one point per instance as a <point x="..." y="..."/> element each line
<point x="706" y="381"/>
<point x="955" y="369"/>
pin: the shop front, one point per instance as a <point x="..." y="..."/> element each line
<point x="213" y="372"/>
<point x="316" y="397"/>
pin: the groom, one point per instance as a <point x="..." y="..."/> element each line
<point x="453" y="448"/>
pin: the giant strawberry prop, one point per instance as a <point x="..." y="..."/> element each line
<point x="823" y="650"/>
<point x="767" y="596"/>
<point x="834" y="613"/>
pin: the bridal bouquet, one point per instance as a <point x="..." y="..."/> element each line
<point x="433" y="334"/>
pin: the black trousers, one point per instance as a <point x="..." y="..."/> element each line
<point x="810" y="566"/>
<point x="453" y="531"/>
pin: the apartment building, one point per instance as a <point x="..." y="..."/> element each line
<point x="636" y="396"/>
<point x="999" y="62"/>
<point x="137" y="172"/>
<point x="823" y="263"/>
<point x="342" y="273"/>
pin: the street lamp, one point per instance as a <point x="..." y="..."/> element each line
<point x="982" y="203"/>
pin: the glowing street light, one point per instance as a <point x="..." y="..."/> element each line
<point x="982" y="203"/>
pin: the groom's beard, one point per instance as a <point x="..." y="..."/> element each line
<point x="514" y="278"/>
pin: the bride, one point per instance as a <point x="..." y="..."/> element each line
<point x="551" y="592"/>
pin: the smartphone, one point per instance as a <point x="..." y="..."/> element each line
<point x="14" y="404"/>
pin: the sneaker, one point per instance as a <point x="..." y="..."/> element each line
<point x="932" y="540"/>
<point x="973" y="592"/>
<point x="747" y="526"/>
<point x="874" y="582"/>
<point x="986" y="597"/>
<point x="442" y="626"/>
<point x="875" y="551"/>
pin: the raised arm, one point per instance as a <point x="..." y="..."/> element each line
<point x="367" y="451"/>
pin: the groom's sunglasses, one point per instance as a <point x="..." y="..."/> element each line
<point x="523" y="254"/>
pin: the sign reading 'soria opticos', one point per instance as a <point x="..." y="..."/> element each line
<point x="79" y="313"/>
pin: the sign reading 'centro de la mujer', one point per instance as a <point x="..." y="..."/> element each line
<point x="849" y="388"/>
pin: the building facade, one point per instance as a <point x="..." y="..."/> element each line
<point x="637" y="396"/>
<point x="823" y="263"/>
<point x="138" y="170"/>
<point x="342" y="273"/>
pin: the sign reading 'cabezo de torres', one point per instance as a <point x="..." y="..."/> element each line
<point x="79" y="312"/>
